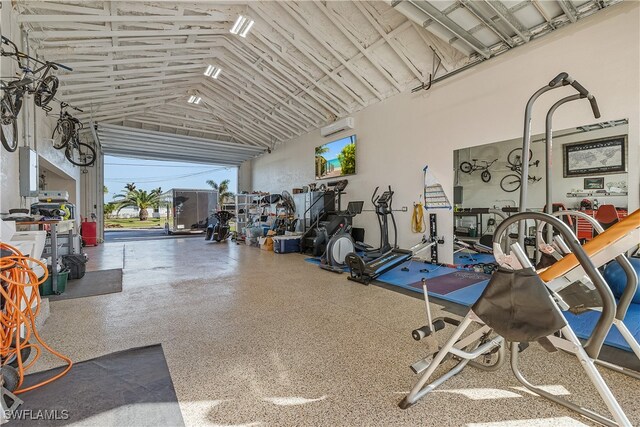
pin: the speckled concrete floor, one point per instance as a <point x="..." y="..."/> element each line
<point x="256" y="338"/>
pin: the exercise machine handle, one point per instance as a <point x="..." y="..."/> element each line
<point x="374" y="198"/>
<point x="594" y="106"/>
<point x="560" y="78"/>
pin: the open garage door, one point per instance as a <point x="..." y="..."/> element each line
<point x="146" y="144"/>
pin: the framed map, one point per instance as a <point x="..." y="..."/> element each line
<point x="597" y="157"/>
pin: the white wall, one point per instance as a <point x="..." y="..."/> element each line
<point x="35" y="130"/>
<point x="397" y="137"/>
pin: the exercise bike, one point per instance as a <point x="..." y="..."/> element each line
<point x="341" y="243"/>
<point x="219" y="231"/>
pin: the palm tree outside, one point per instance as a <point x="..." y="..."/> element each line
<point x="223" y="190"/>
<point x="140" y="199"/>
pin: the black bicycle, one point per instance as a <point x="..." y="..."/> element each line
<point x="37" y="82"/>
<point x="469" y="168"/>
<point x="65" y="126"/>
<point x="511" y="182"/>
<point x="77" y="152"/>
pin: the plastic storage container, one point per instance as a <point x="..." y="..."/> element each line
<point x="286" y="244"/>
<point x="76" y="264"/>
<point x="47" y="287"/>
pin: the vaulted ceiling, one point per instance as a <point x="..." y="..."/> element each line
<point x="302" y="64"/>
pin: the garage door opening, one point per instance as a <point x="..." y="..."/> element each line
<point x="141" y="197"/>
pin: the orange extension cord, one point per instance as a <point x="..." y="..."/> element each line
<point x="16" y="276"/>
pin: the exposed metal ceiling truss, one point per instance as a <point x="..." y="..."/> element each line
<point x="302" y="65"/>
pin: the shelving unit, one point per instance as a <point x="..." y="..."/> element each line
<point x="242" y="208"/>
<point x="59" y="241"/>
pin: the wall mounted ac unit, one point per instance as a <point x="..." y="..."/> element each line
<point x="337" y="126"/>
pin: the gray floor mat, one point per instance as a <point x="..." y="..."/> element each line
<point x="93" y="283"/>
<point x="131" y="387"/>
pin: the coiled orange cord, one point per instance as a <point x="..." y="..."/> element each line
<point x="15" y="277"/>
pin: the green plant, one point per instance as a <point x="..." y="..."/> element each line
<point x="222" y="189"/>
<point x="109" y="209"/>
<point x="140" y="199"/>
<point x="321" y="150"/>
<point x="347" y="159"/>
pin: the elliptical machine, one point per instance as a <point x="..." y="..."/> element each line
<point x="219" y="231"/>
<point x="384" y="211"/>
<point x="341" y="243"/>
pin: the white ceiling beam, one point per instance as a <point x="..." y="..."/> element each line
<point x="395" y="46"/>
<point x="85" y="86"/>
<point x="114" y="107"/>
<point x="234" y="91"/>
<point x="318" y="36"/>
<point x="73" y="18"/>
<point x="145" y="60"/>
<point x="139" y="48"/>
<point x="473" y="8"/>
<point x="341" y="25"/>
<point x="445" y="52"/>
<point x="262" y="78"/>
<point x="162" y="117"/>
<point x="273" y="23"/>
<point x="239" y="110"/>
<point x="108" y="93"/>
<point x="122" y="33"/>
<point x="289" y="76"/>
<point x="127" y="72"/>
<point x="61" y="7"/>
<point x="149" y="119"/>
<point x="237" y="124"/>
<point x="242" y="106"/>
<point x="509" y="19"/>
<point x="569" y="10"/>
<point x="253" y="97"/>
<point x="463" y="35"/>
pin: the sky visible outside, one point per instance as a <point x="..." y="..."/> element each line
<point x="151" y="174"/>
<point x="336" y="147"/>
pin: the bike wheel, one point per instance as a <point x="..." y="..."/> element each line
<point x="514" y="158"/>
<point x="46" y="90"/>
<point x="466" y="167"/>
<point x="80" y="154"/>
<point x="510" y="183"/>
<point x="62" y="134"/>
<point x="486" y="176"/>
<point x="9" y="135"/>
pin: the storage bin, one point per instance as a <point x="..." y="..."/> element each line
<point x="47" y="287"/>
<point x="286" y="244"/>
<point x="76" y="264"/>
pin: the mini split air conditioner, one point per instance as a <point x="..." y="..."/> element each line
<point x="337" y="126"/>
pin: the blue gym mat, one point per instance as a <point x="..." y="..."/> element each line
<point x="472" y="283"/>
<point x="469" y="293"/>
<point x="466" y="258"/>
<point x="584" y="323"/>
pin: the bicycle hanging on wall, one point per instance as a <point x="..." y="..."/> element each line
<point x="468" y="167"/>
<point x="37" y="82"/>
<point x="66" y="135"/>
<point x="511" y="182"/>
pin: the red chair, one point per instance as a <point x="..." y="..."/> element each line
<point x="607" y="215"/>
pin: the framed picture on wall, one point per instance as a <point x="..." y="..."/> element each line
<point x="594" y="183"/>
<point x="597" y="157"/>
